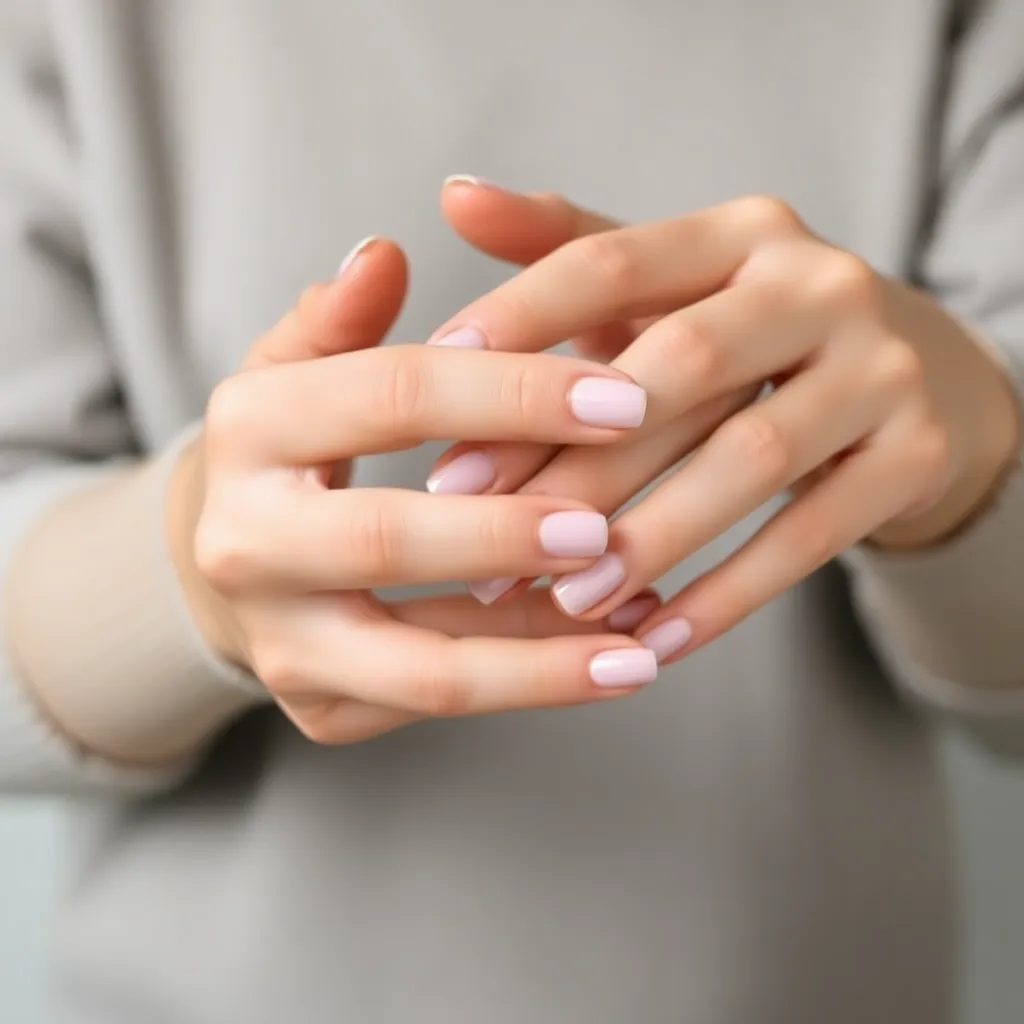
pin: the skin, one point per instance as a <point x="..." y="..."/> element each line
<point x="277" y="556"/>
<point x="887" y="421"/>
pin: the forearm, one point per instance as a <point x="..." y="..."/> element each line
<point x="99" y="633"/>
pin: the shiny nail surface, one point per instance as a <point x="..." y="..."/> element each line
<point x="355" y="253"/>
<point x="668" y="638"/>
<point x="461" y="337"/>
<point x="472" y="180"/>
<point x="470" y="473"/>
<point x="604" y="402"/>
<point x="488" y="591"/>
<point x="574" y="534"/>
<point x="582" y="590"/>
<point x="629" y="667"/>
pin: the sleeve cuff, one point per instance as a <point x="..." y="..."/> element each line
<point x="949" y="621"/>
<point x="93" y="610"/>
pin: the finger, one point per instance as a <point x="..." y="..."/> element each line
<point x="396" y="397"/>
<point x="532" y="616"/>
<point x="355" y="310"/>
<point x="751" y="458"/>
<point x="341" y="722"/>
<point x="636" y="271"/>
<point x="864" y="491"/>
<point x="429" y="674"/>
<point x="354" y="539"/>
<point x="513" y="226"/>
<point x="736" y="338"/>
<point x="522" y="228"/>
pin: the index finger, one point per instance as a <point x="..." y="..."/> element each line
<point x="620" y="274"/>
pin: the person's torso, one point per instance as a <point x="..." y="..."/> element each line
<point x="742" y="842"/>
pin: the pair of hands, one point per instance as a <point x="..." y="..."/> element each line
<point x="886" y="419"/>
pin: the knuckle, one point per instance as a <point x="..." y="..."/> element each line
<point x="846" y="283"/>
<point x="610" y="258"/>
<point x="898" y="368"/>
<point x="277" y="666"/>
<point x="688" y="344"/>
<point x="374" y="543"/>
<point x="767" y="214"/>
<point x="437" y="692"/>
<point x="404" y="392"/>
<point x="756" y="442"/>
<point x="229" y="411"/>
<point x="223" y="553"/>
<point x="524" y="394"/>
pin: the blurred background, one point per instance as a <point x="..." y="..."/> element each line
<point x="988" y="811"/>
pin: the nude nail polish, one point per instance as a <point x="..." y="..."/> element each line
<point x="488" y="591"/>
<point x="461" y="337"/>
<point x="574" y="534"/>
<point x="580" y="591"/>
<point x="629" y="667"/>
<point x="469" y="473"/>
<point x="605" y="402"/>
<point x="668" y="638"/>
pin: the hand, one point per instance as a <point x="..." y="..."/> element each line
<point x="886" y="417"/>
<point x="277" y="557"/>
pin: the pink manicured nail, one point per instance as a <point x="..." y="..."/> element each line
<point x="632" y="613"/>
<point x="574" y="534"/>
<point x="462" y="337"/>
<point x="488" y="591"/>
<point x="630" y="667"/>
<point x="470" y="473"/>
<point x="604" y="402"/>
<point x="582" y="590"/>
<point x="668" y="638"/>
<point x="355" y="253"/>
<point x="469" y="179"/>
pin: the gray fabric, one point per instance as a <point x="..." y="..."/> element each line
<point x="762" y="836"/>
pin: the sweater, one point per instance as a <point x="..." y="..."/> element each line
<point x="761" y="836"/>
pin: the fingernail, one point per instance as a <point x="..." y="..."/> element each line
<point x="582" y="590"/>
<point x="631" y="667"/>
<point x="488" y="591"/>
<point x="469" y="179"/>
<point x="668" y="638"/>
<point x="462" y="337"/>
<point x="355" y="253"/>
<point x="632" y="613"/>
<point x="603" y="402"/>
<point x="574" y="534"/>
<point x="470" y="473"/>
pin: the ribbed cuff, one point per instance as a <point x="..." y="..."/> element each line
<point x="100" y="640"/>
<point x="949" y="620"/>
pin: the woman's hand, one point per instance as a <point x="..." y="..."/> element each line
<point x="277" y="555"/>
<point x="886" y="417"/>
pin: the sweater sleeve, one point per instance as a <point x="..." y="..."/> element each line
<point x="949" y="622"/>
<point x="86" y="585"/>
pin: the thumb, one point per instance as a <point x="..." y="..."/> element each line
<point x="354" y="310"/>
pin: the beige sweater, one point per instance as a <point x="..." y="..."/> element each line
<point x="743" y="842"/>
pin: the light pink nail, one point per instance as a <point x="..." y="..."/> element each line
<point x="462" y="337"/>
<point x="668" y="638"/>
<point x="630" y="667"/>
<point x="574" y="534"/>
<point x="604" y="402"/>
<point x="488" y="591"/>
<point x="632" y="613"/>
<point x="470" y="473"/>
<point x="354" y="253"/>
<point x="582" y="590"/>
<point x="469" y="179"/>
